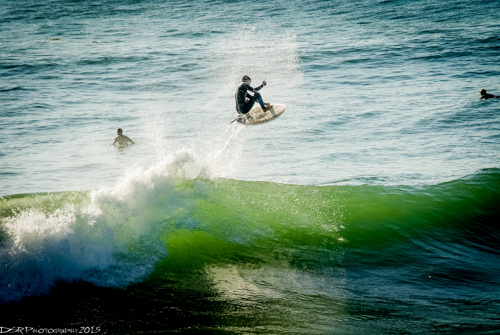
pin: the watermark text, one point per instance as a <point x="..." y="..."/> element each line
<point x="33" y="330"/>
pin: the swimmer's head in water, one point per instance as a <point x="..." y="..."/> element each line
<point x="119" y="131"/>
<point x="483" y="91"/>
<point x="246" y="79"/>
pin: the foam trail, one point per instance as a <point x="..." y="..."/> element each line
<point x="216" y="166"/>
<point x="227" y="142"/>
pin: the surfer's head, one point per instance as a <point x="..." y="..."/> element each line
<point x="246" y="79"/>
<point x="483" y="91"/>
<point x="119" y="131"/>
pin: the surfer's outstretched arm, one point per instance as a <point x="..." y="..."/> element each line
<point x="258" y="88"/>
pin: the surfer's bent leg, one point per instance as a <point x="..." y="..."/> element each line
<point x="258" y="97"/>
<point x="245" y="108"/>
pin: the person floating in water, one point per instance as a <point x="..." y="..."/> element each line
<point x="121" y="140"/>
<point x="245" y="101"/>
<point x="485" y="95"/>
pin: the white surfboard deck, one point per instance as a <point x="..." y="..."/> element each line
<point x="258" y="116"/>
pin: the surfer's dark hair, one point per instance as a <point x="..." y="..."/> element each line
<point x="245" y="77"/>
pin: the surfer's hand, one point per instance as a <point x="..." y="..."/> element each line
<point x="264" y="83"/>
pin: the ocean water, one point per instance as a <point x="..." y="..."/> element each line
<point x="371" y="206"/>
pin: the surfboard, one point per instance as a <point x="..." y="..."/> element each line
<point x="258" y="116"/>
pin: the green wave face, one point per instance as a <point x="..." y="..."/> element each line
<point x="266" y="248"/>
<point x="237" y="222"/>
<point x="264" y="219"/>
<point x="224" y="220"/>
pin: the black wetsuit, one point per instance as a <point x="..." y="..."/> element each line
<point x="488" y="96"/>
<point x="244" y="100"/>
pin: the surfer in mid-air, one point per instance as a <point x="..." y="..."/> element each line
<point x="245" y="101"/>
<point x="485" y="95"/>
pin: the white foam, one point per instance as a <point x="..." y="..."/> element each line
<point x="112" y="238"/>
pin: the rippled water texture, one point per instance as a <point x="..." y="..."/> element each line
<point x="377" y="92"/>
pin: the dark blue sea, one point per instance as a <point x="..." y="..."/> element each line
<point x="371" y="206"/>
